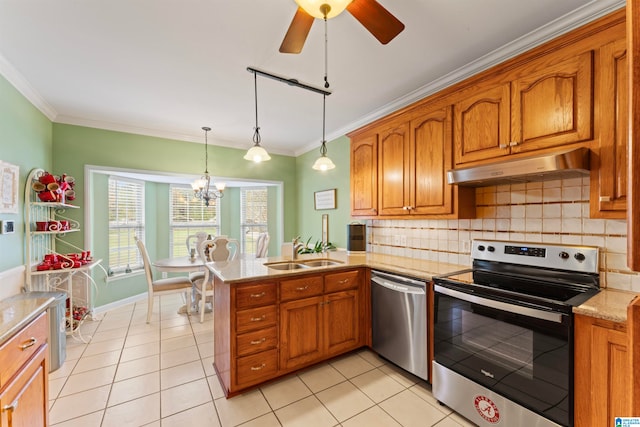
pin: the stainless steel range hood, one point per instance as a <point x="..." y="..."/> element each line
<point x="556" y="165"/>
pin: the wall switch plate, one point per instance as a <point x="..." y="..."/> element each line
<point x="7" y="226"/>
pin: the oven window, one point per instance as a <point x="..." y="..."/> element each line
<point x="495" y="341"/>
<point x="525" y="359"/>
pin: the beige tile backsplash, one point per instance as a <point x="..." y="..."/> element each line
<point x="551" y="211"/>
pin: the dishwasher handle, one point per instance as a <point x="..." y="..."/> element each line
<point x="407" y="289"/>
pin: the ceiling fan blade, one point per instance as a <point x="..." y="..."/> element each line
<point x="375" y="18"/>
<point x="297" y="32"/>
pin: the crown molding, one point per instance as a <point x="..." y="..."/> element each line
<point x="21" y="84"/>
<point x="577" y="18"/>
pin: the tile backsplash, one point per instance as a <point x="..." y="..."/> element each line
<point x="551" y="212"/>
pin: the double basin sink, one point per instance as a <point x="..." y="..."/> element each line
<point x="298" y="264"/>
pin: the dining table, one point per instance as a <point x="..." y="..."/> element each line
<point x="181" y="264"/>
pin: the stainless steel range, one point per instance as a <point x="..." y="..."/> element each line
<point x="503" y="334"/>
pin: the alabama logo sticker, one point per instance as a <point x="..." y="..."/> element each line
<point x="487" y="409"/>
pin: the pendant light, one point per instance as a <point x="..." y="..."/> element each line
<point x="323" y="163"/>
<point x="256" y="153"/>
<point x="202" y="187"/>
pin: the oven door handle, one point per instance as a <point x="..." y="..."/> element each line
<point x="407" y="289"/>
<point x="499" y="305"/>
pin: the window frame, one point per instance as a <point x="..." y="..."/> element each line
<point x="246" y="227"/>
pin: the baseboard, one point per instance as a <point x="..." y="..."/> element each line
<point x="117" y="304"/>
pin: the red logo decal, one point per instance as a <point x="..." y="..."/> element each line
<point x="487" y="409"/>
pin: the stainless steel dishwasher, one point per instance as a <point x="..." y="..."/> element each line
<point x="399" y="321"/>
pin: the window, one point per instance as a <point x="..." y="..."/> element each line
<point x="253" y="217"/>
<point x="188" y="216"/>
<point x="126" y="220"/>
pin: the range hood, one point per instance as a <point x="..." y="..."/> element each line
<point x="555" y="165"/>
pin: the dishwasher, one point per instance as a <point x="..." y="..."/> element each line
<point x="399" y="321"/>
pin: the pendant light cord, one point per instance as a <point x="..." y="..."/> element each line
<point x="326" y="55"/>
<point x="256" y="134"/>
<point x="206" y="151"/>
<point x="323" y="147"/>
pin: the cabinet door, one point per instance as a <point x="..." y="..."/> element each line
<point x="364" y="175"/>
<point x="609" y="168"/>
<point x="342" y="321"/>
<point x="24" y="402"/>
<point x="431" y="146"/>
<point x="393" y="170"/>
<point x="481" y="125"/>
<point x="552" y="105"/>
<point x="301" y="338"/>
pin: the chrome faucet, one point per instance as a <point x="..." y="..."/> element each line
<point x="294" y="248"/>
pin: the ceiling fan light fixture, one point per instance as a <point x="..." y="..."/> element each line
<point x="316" y="8"/>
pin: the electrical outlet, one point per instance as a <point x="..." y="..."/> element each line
<point x="7" y="227"/>
<point x="466" y="246"/>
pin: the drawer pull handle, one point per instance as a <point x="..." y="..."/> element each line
<point x="257" y="342"/>
<point x="258" y="319"/>
<point x="605" y="199"/>
<point x="30" y="343"/>
<point x="513" y="143"/>
<point x="260" y="295"/>
<point x="342" y="282"/>
<point x="302" y="288"/>
<point x="257" y="368"/>
<point x="503" y="146"/>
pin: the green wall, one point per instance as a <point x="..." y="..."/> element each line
<point x="310" y="181"/>
<point x="25" y="141"/>
<point x="30" y="140"/>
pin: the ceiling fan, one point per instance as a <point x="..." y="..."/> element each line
<point x="375" y="18"/>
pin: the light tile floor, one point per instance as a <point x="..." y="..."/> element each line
<point x="160" y="374"/>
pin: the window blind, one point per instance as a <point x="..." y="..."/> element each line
<point x="253" y="217"/>
<point x="126" y="220"/>
<point x="188" y="215"/>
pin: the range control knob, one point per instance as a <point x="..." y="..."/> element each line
<point x="579" y="256"/>
<point x="564" y="255"/>
<point x="481" y="248"/>
<point x="491" y="249"/>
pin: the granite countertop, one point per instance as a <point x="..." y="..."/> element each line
<point x="241" y="270"/>
<point x="17" y="311"/>
<point x="608" y="304"/>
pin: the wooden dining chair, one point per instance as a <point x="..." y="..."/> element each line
<point x="162" y="286"/>
<point x="220" y="248"/>
<point x="194" y="240"/>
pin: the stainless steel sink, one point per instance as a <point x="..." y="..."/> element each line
<point x="320" y="262"/>
<point x="286" y="265"/>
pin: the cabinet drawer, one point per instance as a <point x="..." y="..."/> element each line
<point x="18" y="349"/>
<point x="256" y="295"/>
<point x="257" y="368"/>
<point x="341" y="281"/>
<point x="254" y="342"/>
<point x="255" y="318"/>
<point x="300" y="288"/>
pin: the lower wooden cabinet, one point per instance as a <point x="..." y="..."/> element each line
<point x="265" y="330"/>
<point x="602" y="380"/>
<point x="24" y="391"/>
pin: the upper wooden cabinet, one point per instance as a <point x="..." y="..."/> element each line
<point x="609" y="162"/>
<point x="482" y="125"/>
<point x="547" y="103"/>
<point x="393" y="169"/>
<point x="364" y="175"/>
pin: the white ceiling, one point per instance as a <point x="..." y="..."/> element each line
<point x="168" y="67"/>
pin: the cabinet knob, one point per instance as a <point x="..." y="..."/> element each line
<point x="513" y="143"/>
<point x="604" y="199"/>
<point x="503" y="146"/>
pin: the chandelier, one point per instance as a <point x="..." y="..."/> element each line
<point x="202" y="187"/>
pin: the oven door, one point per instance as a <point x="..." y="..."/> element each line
<point x="521" y="353"/>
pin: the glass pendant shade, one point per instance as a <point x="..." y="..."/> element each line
<point x="315" y="9"/>
<point x="257" y="154"/>
<point x="323" y="163"/>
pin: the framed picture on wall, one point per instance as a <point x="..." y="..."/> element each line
<point x="9" y="175"/>
<point x="324" y="199"/>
